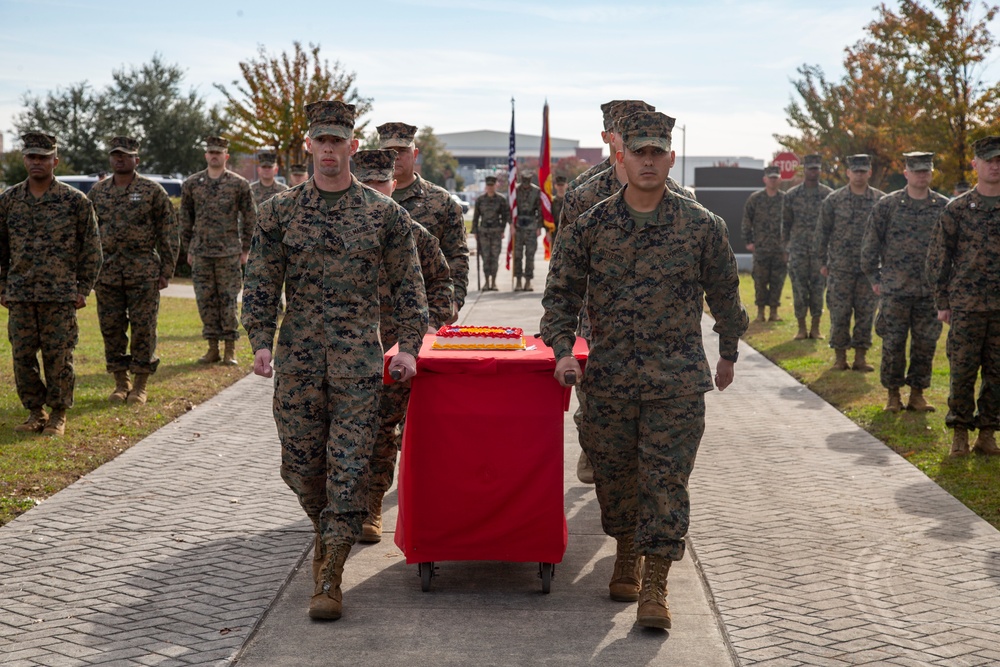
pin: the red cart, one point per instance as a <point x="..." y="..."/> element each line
<point x="481" y="468"/>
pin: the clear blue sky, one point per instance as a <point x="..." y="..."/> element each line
<point x="722" y="68"/>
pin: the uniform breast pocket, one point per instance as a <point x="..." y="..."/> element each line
<point x="363" y="258"/>
<point x="60" y="234"/>
<point x="300" y="240"/>
<point x="608" y="278"/>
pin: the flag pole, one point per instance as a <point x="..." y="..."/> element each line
<point x="512" y="190"/>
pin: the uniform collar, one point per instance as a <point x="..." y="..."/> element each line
<point x="311" y="198"/>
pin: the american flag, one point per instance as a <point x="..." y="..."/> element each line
<point x="511" y="184"/>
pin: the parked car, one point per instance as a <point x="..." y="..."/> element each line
<point x="457" y="196"/>
<point x="84" y="183"/>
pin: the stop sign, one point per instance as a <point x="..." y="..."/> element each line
<point x="788" y="163"/>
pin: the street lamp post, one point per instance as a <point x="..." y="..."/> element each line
<point x="684" y="137"/>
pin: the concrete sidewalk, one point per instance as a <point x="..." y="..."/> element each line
<point x="811" y="543"/>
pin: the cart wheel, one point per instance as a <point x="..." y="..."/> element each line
<point x="426" y="572"/>
<point x="546" y="571"/>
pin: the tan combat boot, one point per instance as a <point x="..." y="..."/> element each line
<point x="517" y="285"/>
<point x="841" y="362"/>
<point x="859" y="361"/>
<point x="814" y="329"/>
<point x="802" y="333"/>
<point x="986" y="443"/>
<point x="895" y="403"/>
<point x="627" y="577"/>
<point x="34" y="423"/>
<point x="760" y="314"/>
<point x="122" y="388"/>
<point x="212" y="356"/>
<point x="57" y="423"/>
<point x="959" y="443"/>
<point x="653" y="610"/>
<point x="584" y="469"/>
<point x="371" y="529"/>
<point x="319" y="555"/>
<point x="527" y="285"/>
<point x="229" y="357"/>
<point x="327" y="601"/>
<point x="138" y="394"/>
<point x="774" y="315"/>
<point x="917" y="401"/>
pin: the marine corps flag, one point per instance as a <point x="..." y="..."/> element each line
<point x="511" y="185"/>
<point x="545" y="181"/>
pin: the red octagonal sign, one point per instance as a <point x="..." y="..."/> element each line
<point x="788" y="163"/>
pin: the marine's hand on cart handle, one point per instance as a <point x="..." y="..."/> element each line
<point x="404" y="364"/>
<point x="262" y="363"/>
<point x="568" y="366"/>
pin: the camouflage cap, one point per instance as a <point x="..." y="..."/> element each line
<point x="772" y="171"/>
<point x="126" y="145"/>
<point x="396" y="135"/>
<point x="526" y="177"/>
<point x="624" y="108"/>
<point x="986" y="148"/>
<point x="38" y="143"/>
<point x="491" y="180"/>
<point x="606" y="110"/>
<point x="917" y="161"/>
<point x="859" y="162"/>
<point x="560" y="180"/>
<point x="267" y="158"/>
<point x="647" y="128"/>
<point x="216" y="145"/>
<point x="812" y="161"/>
<point x="374" y="165"/>
<point x="298" y="169"/>
<point x="331" y="118"/>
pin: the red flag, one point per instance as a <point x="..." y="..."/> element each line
<point x="545" y="181"/>
<point x="511" y="185"/>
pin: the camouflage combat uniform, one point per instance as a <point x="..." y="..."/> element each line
<point x="328" y="359"/>
<point x="396" y="396"/>
<point x="799" y="215"/>
<point x="50" y="252"/>
<point x="963" y="267"/>
<point x="557" y="207"/>
<point x="261" y="193"/>
<point x="433" y="207"/>
<point x="140" y="242"/>
<point x="647" y="371"/>
<point x="217" y="219"/>
<point x="489" y="220"/>
<point x="762" y="228"/>
<point x="529" y="221"/>
<point x="841" y="226"/>
<point x="894" y="255"/>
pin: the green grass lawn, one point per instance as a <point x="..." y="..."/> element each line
<point x="33" y="466"/>
<point x="920" y="438"/>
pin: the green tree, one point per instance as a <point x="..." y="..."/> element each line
<point x="267" y="108"/>
<point x="437" y="165"/>
<point x="77" y="117"/>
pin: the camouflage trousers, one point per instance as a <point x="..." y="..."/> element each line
<point x="974" y="344"/>
<point x="489" y="242"/>
<point x="899" y="317"/>
<point x="807" y="285"/>
<point x="849" y="292"/>
<point x="643" y="453"/>
<point x="391" y="415"/>
<point x="327" y="431"/>
<point x="525" y="245"/>
<point x="217" y="283"/>
<point x="769" y="271"/>
<point x="119" y="307"/>
<point x="50" y="328"/>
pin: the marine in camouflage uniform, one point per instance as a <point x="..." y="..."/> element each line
<point x="893" y="257"/>
<point x="646" y="374"/>
<point x="963" y="267"/>
<point x="558" y="198"/>
<point x="140" y="242"/>
<point x="604" y="164"/>
<point x="430" y="205"/>
<point x="327" y="240"/>
<point x="799" y="213"/>
<point x="525" y="230"/>
<point x="762" y="235"/>
<point x="218" y="215"/>
<point x="267" y="186"/>
<point x="50" y="255"/>
<point x="489" y="220"/>
<point x="841" y="226"/>
<point x="297" y="174"/>
<point x="374" y="169"/>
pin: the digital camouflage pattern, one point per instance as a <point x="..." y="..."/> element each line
<point x="51" y="328"/>
<point x="963" y="268"/>
<point x="899" y="318"/>
<point x="762" y="227"/>
<point x="557" y="207"/>
<point x="38" y="143"/>
<point x="489" y="220"/>
<point x="433" y="207"/>
<point x="641" y="127"/>
<point x="529" y="220"/>
<point x="850" y="293"/>
<point x="261" y="193"/>
<point x="986" y="148"/>
<point x="331" y="118"/>
<point x="799" y="216"/>
<point x="392" y="406"/>
<point x="140" y="241"/>
<point x="217" y="214"/>
<point x="217" y="283"/>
